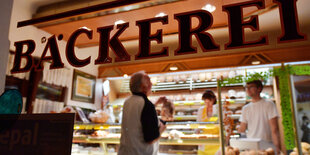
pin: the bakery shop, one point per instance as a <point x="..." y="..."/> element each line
<point x="155" y="77"/>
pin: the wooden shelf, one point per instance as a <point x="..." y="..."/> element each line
<point x="185" y="118"/>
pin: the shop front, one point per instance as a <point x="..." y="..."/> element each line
<point x="79" y="56"/>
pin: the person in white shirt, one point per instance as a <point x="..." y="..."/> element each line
<point x="260" y="117"/>
<point x="140" y="129"/>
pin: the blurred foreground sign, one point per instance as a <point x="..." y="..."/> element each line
<point x="36" y="134"/>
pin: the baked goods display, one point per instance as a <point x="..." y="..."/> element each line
<point x="96" y="134"/>
<point x="305" y="148"/>
<point x="105" y="134"/>
<point x="235" y="151"/>
<point x="199" y="136"/>
<point x="79" y="135"/>
<point x="232" y="151"/>
<point x="100" y="133"/>
<point x="99" y="116"/>
<point x="177" y="132"/>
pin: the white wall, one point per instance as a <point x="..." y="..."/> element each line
<point x="23" y="10"/>
<point x="5" y="14"/>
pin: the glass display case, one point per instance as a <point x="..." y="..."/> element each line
<point x="179" y="137"/>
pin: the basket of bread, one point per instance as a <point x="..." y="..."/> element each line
<point x="98" y="117"/>
<point x="235" y="151"/>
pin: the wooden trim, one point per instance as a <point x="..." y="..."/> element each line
<point x="85" y="10"/>
<point x="214" y="61"/>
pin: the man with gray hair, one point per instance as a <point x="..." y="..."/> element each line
<point x="141" y="129"/>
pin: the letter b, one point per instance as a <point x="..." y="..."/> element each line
<point x="19" y="55"/>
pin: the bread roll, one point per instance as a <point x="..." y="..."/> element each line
<point x="293" y="153"/>
<point x="237" y="151"/>
<point x="252" y="152"/>
<point x="270" y="151"/>
<point x="305" y="146"/>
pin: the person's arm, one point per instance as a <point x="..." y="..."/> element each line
<point x="275" y="133"/>
<point x="242" y="127"/>
<point x="199" y="115"/>
<point x="160" y="100"/>
<point x="243" y="120"/>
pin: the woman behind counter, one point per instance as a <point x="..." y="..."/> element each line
<point x="204" y="114"/>
<point x="209" y="109"/>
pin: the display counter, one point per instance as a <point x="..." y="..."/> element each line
<point x="188" y="135"/>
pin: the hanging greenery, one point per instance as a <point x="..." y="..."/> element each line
<point x="284" y="85"/>
<point x="263" y="76"/>
<point x="287" y="115"/>
<point x="300" y="70"/>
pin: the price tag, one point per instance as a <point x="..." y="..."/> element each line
<point x="178" y="118"/>
<point x="189" y="103"/>
<point x="101" y="127"/>
<point x="213" y="119"/>
<point x="194" y="126"/>
<point x="232" y="101"/>
<point x="79" y="127"/>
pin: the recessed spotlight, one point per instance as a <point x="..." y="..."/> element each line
<point x="255" y="62"/>
<point x="125" y="76"/>
<point x="209" y="7"/>
<point x="161" y="14"/>
<point x="173" y="68"/>
<point x="119" y="22"/>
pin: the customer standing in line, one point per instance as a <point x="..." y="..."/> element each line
<point x="260" y="117"/>
<point x="141" y="128"/>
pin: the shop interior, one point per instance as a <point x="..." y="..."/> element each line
<point x="184" y="89"/>
<point x="96" y="93"/>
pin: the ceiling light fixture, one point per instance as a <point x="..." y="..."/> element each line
<point x="162" y="14"/>
<point x="125" y="76"/>
<point x="209" y="7"/>
<point x="255" y="62"/>
<point x="119" y="22"/>
<point x="173" y="68"/>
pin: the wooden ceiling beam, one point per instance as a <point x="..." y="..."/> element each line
<point x="265" y="56"/>
<point x="218" y="61"/>
<point x="76" y="12"/>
